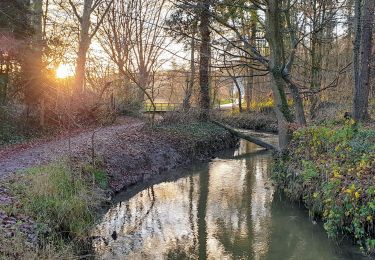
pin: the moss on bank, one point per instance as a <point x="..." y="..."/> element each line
<point x="331" y="168"/>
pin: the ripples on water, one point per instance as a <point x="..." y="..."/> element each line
<point x="225" y="209"/>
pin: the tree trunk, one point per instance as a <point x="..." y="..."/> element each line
<point x="316" y="57"/>
<point x="316" y="78"/>
<point x="249" y="88"/>
<point x="363" y="60"/>
<point x="189" y="91"/>
<point x="205" y="56"/>
<point x="84" y="44"/>
<point x="282" y="110"/>
<point x="277" y="61"/>
<point x="38" y="50"/>
<point x="238" y="87"/>
<point x="4" y="80"/>
<point x="298" y="105"/>
<point x="143" y="84"/>
<point x="248" y="137"/>
<point x="298" y="102"/>
<point x="357" y="42"/>
<point x="33" y="64"/>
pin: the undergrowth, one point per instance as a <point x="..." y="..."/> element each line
<point x="331" y="168"/>
<point x="64" y="205"/>
<point x="10" y="130"/>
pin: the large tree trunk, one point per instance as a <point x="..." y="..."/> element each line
<point x="282" y="110"/>
<point x="296" y="95"/>
<point x="316" y="78"/>
<point x="277" y="61"/>
<point x="205" y="56"/>
<point x="357" y="43"/>
<point x="298" y="105"/>
<point x="84" y="44"/>
<point x="363" y="53"/>
<point x="316" y="58"/>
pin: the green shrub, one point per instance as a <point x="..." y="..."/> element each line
<point x="331" y="168"/>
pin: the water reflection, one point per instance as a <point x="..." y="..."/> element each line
<point x="226" y="209"/>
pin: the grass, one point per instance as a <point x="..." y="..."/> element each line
<point x="59" y="200"/>
<point x="62" y="202"/>
<point x="331" y="168"/>
<point x="99" y="175"/>
<point x="18" y="247"/>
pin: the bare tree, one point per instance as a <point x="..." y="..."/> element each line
<point x="234" y="73"/>
<point x="87" y="30"/>
<point x="134" y="38"/>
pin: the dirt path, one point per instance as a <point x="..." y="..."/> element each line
<point x="19" y="157"/>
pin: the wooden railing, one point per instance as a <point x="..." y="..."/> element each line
<point x="162" y="107"/>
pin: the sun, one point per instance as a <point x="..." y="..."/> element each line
<point x="64" y="71"/>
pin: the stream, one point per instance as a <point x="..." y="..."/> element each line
<point x="223" y="209"/>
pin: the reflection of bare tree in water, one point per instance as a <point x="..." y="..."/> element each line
<point x="237" y="244"/>
<point x="202" y="211"/>
<point x="152" y="197"/>
<point x="185" y="249"/>
<point x="249" y="239"/>
<point x="191" y="213"/>
<point x="247" y="205"/>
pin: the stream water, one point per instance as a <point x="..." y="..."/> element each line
<point x="224" y="209"/>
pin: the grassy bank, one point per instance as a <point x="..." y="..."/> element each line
<point x="196" y="140"/>
<point x="331" y="168"/>
<point x="55" y="206"/>
<point x="62" y="204"/>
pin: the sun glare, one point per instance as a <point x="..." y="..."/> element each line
<point x="64" y="71"/>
